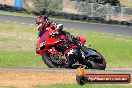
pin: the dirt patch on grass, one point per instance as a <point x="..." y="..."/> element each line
<point x="31" y="79"/>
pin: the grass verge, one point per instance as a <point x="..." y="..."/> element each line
<point x="17" y="47"/>
<point x="85" y="86"/>
<point x="17" y="14"/>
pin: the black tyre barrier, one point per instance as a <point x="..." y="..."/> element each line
<point x="130" y="23"/>
<point x="11" y="8"/>
<point x="102" y="20"/>
<point x="110" y="22"/>
<point x="124" y="23"/>
<point x="98" y="19"/>
<point x="92" y="19"/>
<point x="17" y="9"/>
<point x="76" y="17"/>
<point x="84" y="19"/>
<point x="115" y="22"/>
<point x="64" y="15"/>
<point x="1" y="7"/>
<point x="7" y="7"/>
<point x="87" y="19"/>
<point x="67" y="16"/>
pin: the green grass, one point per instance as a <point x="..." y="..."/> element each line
<point x="17" y="47"/>
<point x="84" y="86"/>
<point x="20" y="60"/>
<point x="17" y="14"/>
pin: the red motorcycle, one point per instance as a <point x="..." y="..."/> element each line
<point x="56" y="59"/>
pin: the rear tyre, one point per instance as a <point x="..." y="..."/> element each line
<point x="98" y="62"/>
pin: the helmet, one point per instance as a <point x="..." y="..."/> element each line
<point x="81" y="39"/>
<point x="42" y="22"/>
<point x="42" y="19"/>
<point x="59" y="27"/>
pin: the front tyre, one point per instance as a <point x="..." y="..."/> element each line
<point x="54" y="60"/>
<point x="47" y="60"/>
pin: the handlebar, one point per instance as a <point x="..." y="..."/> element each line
<point x="53" y="35"/>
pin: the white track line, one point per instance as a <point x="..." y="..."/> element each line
<point x="22" y="23"/>
<point x="110" y="34"/>
<point x="119" y="35"/>
<point x="103" y="33"/>
<point x="7" y="21"/>
<point x="128" y="36"/>
<point x="31" y="24"/>
<point x="65" y="28"/>
<point x="14" y="22"/>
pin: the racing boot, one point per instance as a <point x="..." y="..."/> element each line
<point x="71" y="57"/>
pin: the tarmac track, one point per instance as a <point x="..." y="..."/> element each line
<point x="29" y="77"/>
<point x="118" y="30"/>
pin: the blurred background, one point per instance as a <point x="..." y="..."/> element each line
<point x="117" y="10"/>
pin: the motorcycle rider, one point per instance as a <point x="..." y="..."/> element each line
<point x="69" y="48"/>
<point x="43" y="22"/>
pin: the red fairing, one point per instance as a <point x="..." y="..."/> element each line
<point x="39" y="52"/>
<point x="81" y="39"/>
<point x="47" y="42"/>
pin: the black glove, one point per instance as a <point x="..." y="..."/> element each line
<point x="61" y="40"/>
<point x="53" y="35"/>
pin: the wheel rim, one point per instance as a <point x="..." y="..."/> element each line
<point x="53" y="60"/>
<point x="100" y="60"/>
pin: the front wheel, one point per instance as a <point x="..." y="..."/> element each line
<point x="47" y="60"/>
<point x="53" y="61"/>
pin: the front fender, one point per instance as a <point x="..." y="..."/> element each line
<point x="39" y="52"/>
<point x="91" y="52"/>
<point x="52" y="50"/>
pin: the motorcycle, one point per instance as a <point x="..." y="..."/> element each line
<point x="53" y="58"/>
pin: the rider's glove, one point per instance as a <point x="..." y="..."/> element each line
<point x="61" y="40"/>
<point x="53" y="35"/>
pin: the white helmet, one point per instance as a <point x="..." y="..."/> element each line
<point x="59" y="27"/>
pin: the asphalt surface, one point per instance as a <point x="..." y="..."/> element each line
<point x="60" y="70"/>
<point x="119" y="30"/>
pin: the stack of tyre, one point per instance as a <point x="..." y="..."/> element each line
<point x="85" y="18"/>
<point x="6" y="7"/>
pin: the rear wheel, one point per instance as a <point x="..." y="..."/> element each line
<point x="98" y="62"/>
